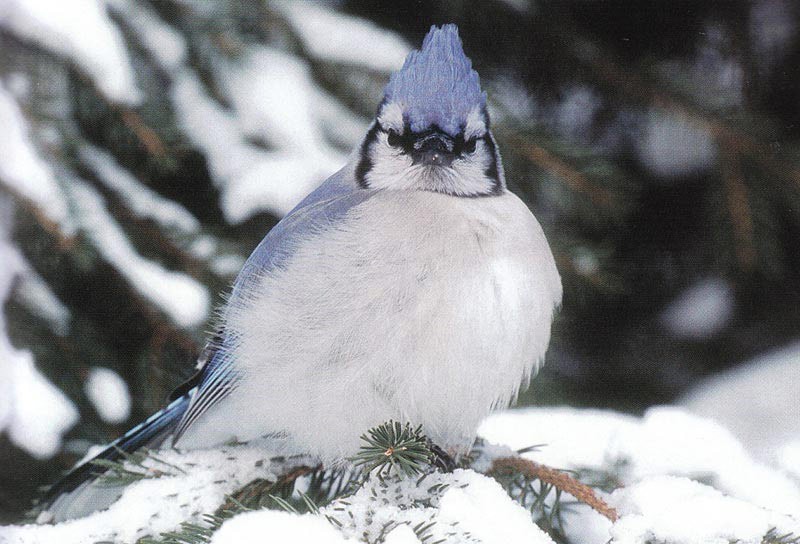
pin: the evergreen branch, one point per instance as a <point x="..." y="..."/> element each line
<point x="558" y="167"/>
<point x="559" y="480"/>
<point x="772" y="537"/>
<point x="610" y="73"/>
<point x="394" y="446"/>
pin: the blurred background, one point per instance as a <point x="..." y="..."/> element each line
<point x="147" y="146"/>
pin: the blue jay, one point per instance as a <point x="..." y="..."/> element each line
<point x="411" y="285"/>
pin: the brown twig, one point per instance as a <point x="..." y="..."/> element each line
<point x="571" y="177"/>
<point x="558" y="479"/>
<point x="146" y="135"/>
<point x="738" y="207"/>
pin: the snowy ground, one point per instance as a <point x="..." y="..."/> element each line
<point x="679" y="478"/>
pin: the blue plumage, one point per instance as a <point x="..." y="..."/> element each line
<point x="437" y="85"/>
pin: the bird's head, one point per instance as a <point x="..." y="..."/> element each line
<point x="432" y="129"/>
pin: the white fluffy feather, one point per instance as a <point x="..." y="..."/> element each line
<point x="419" y="307"/>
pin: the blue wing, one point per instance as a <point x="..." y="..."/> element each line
<point x="319" y="211"/>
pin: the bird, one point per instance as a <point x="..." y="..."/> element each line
<point x="411" y="285"/>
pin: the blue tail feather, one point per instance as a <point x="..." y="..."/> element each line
<point x="151" y="432"/>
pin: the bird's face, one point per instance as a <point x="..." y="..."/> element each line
<point x="432" y="129"/>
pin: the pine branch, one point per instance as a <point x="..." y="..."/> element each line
<point x="394" y="446"/>
<point x="773" y="537"/>
<point x="561" y="481"/>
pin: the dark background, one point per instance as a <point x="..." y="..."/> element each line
<point x="655" y="141"/>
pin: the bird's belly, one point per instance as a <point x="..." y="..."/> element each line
<point x="432" y="323"/>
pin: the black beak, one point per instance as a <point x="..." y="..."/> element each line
<point x="433" y="149"/>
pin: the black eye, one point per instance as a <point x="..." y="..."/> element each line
<point x="395" y="140"/>
<point x="469" y="145"/>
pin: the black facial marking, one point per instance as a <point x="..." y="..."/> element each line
<point x="493" y="171"/>
<point x="365" y="164"/>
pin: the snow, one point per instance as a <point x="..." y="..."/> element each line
<point x="163" y="42"/>
<point x="667" y="440"/>
<point x="109" y="395"/>
<point x="81" y="31"/>
<point x="272" y="95"/>
<point x="139" y="198"/>
<point x="22" y="169"/>
<point x="33" y="411"/>
<point x="459" y="507"/>
<point x="35" y="294"/>
<point x="182" y="298"/>
<point x="788" y="458"/>
<point x="681" y="479"/>
<point x="154" y="505"/>
<point x="702" y="311"/>
<point x="575" y="113"/>
<point x="757" y="401"/>
<point x="342" y="38"/>
<point x="682" y="511"/>
<point x="772" y="29"/>
<point x="672" y="147"/>
<point x="251" y="528"/>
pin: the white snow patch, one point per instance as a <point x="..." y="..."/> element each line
<point x="251" y="528"/>
<point x="575" y="113"/>
<point x="757" y="401"/>
<point x="702" y="311"/>
<point x="483" y="509"/>
<point x="667" y="440"/>
<point x="81" y="31"/>
<point x="788" y="457"/>
<point x="343" y="38"/>
<point x="653" y="458"/>
<point x="33" y="411"/>
<point x="681" y="511"/>
<point x="672" y="147"/>
<point x="272" y="95"/>
<point x="455" y="505"/>
<point x="23" y="170"/>
<point x="139" y="198"/>
<point x="227" y="265"/>
<point x="163" y="42"/>
<point x="34" y="293"/>
<point x="109" y="395"/>
<point x="182" y="298"/>
<point x="772" y="28"/>
<point x="155" y="505"/>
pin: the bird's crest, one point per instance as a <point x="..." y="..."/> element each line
<point x="437" y="85"/>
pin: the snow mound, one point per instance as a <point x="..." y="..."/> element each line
<point x="678" y="479"/>
<point x="460" y="507"/>
<point x="757" y="400"/>
<point x="33" y="411"/>
<point x="671" y="147"/>
<point x="82" y="31"/>
<point x="273" y="96"/>
<point x="702" y="311"/>
<point x="22" y="169"/>
<point x="139" y="198"/>
<point x="341" y="38"/>
<point x="109" y="394"/>
<point x="179" y="296"/>
<point x="679" y="510"/>
<point x="194" y="483"/>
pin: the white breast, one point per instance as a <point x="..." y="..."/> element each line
<point x="421" y="307"/>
